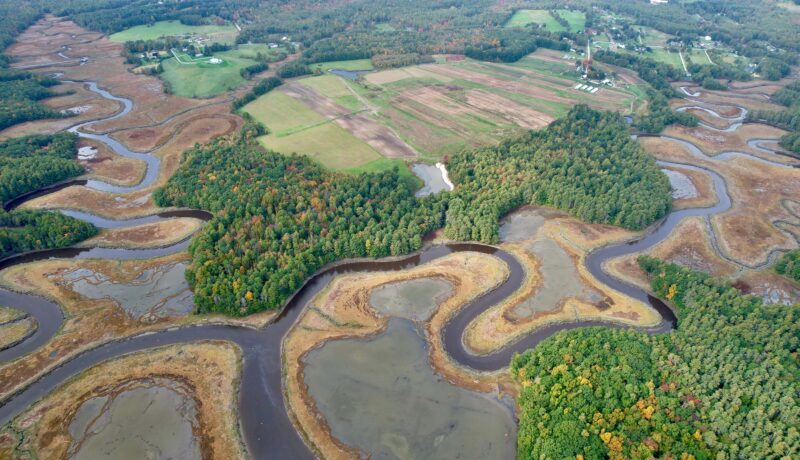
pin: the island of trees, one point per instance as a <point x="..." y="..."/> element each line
<point x="278" y="219"/>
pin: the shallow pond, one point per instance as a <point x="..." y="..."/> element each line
<point x="146" y="420"/>
<point x="381" y="396"/>
<point x="349" y="74"/>
<point x="521" y="225"/>
<point x="414" y="299"/>
<point x="560" y="278"/>
<point x="157" y="292"/>
<point x="432" y="178"/>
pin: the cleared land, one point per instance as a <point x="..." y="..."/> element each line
<point x="200" y="78"/>
<point x="222" y="34"/>
<point x="576" y="20"/>
<point x="426" y="111"/>
<point x="440" y="109"/>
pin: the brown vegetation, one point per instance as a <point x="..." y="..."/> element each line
<point x="110" y="167"/>
<point x="209" y="370"/>
<point x="89" y="322"/>
<point x="342" y="310"/>
<point x="152" y="235"/>
<point x="498" y="326"/>
<point x="761" y="195"/>
<point x="379" y="137"/>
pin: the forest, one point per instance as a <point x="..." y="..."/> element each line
<point x="723" y="384"/>
<point x="28" y="164"/>
<point x="789" y="119"/>
<point x="789" y="265"/>
<point x="585" y="163"/>
<point x="278" y="219"/>
<point x="19" y="95"/>
<point x="32" y="162"/>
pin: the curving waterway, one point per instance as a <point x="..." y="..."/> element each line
<point x="265" y="424"/>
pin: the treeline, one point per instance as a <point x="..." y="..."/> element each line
<point x="724" y="384"/>
<point x="788" y="119"/>
<point x="659" y="115"/>
<point x="28" y="164"/>
<point x="789" y="265"/>
<point x="111" y="16"/>
<point x="584" y="163"/>
<point x="262" y="87"/>
<point x="511" y="45"/>
<point x="248" y="72"/>
<point x="389" y="61"/>
<point x="19" y="95"/>
<point x="27" y="230"/>
<point x="293" y="69"/>
<point x="279" y="218"/>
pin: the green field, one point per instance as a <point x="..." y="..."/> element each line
<point x="221" y="34"/>
<point x="356" y="64"/>
<point x="667" y="57"/>
<point x="336" y="89"/>
<point x="698" y="56"/>
<point x="295" y="128"/>
<point x="197" y="77"/>
<point x="521" y="18"/>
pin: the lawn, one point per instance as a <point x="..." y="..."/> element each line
<point x="296" y="128"/>
<point x="667" y="57"/>
<point x="698" y="56"/>
<point x="221" y="34"/>
<point x="356" y="64"/>
<point x="521" y="18"/>
<point x="196" y="77"/>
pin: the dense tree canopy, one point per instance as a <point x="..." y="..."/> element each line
<point x="28" y="164"/>
<point x="788" y="119"/>
<point x="32" y="162"/>
<point x="585" y="163"/>
<point x="789" y="265"/>
<point x="278" y="219"/>
<point x="724" y="384"/>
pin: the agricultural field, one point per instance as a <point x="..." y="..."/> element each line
<point x="426" y="111"/>
<point x="221" y="34"/>
<point x="296" y="128"/>
<point x="521" y="18"/>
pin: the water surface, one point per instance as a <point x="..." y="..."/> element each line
<point x="145" y="421"/>
<point x="381" y="396"/>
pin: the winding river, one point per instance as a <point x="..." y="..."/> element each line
<point x="265" y="424"/>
